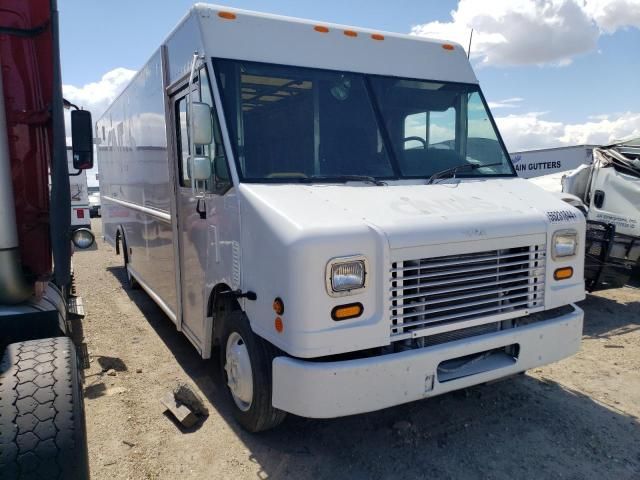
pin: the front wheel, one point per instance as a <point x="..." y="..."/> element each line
<point x="246" y="361"/>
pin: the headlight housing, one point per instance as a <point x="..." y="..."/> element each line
<point x="565" y="243"/>
<point x="346" y="274"/>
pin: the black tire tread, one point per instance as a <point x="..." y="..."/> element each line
<point x="132" y="283"/>
<point x="42" y="428"/>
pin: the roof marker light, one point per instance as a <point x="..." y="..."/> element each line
<point x="227" y="15"/>
<point x="447" y="46"/>
<point x="350" y="33"/>
<point x="321" y="29"/>
<point x="377" y="36"/>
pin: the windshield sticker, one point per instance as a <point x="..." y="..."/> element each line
<point x="559" y="216"/>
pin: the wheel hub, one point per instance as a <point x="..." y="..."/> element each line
<point x="238" y="369"/>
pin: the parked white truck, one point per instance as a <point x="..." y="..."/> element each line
<point x="608" y="192"/>
<point x="546" y="161"/>
<point x="335" y="209"/>
<point x="80" y="214"/>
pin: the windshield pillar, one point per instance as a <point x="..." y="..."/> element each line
<point x="316" y="130"/>
<point x="462" y="125"/>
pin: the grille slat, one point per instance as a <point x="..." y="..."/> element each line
<point x="465" y="315"/>
<point x="465" y="261"/>
<point x="455" y="289"/>
<point x="500" y="291"/>
<point x="457" y="271"/>
<point x="492" y="282"/>
<point x="467" y="279"/>
<point x="458" y="306"/>
<point x="459" y="261"/>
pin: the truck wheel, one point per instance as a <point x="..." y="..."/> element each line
<point x="246" y="361"/>
<point x="132" y="283"/>
<point x="42" y="426"/>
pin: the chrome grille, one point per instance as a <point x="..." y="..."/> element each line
<point x="430" y="292"/>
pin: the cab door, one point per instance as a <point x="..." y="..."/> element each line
<point x="206" y="217"/>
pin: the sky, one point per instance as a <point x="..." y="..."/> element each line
<point x="555" y="72"/>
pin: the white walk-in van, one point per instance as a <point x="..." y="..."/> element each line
<point x="334" y="210"/>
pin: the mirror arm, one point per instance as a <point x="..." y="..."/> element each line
<point x="76" y="174"/>
<point x="68" y="105"/>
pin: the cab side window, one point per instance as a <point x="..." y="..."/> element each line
<point x="182" y="142"/>
<point x="220" y="180"/>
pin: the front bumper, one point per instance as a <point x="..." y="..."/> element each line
<point x="335" y="389"/>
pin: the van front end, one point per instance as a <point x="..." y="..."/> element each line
<point x="383" y="303"/>
<point x="424" y="367"/>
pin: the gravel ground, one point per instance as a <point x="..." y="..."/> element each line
<point x="576" y="419"/>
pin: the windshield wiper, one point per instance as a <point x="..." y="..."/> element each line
<point x="341" y="178"/>
<point x="451" y="172"/>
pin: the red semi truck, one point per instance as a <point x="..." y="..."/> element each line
<point x="42" y="427"/>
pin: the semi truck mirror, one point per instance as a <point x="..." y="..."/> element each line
<point x="202" y="125"/>
<point x="200" y="168"/>
<point x="82" y="139"/>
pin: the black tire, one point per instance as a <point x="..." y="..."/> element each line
<point x="42" y="425"/>
<point x="261" y="414"/>
<point x="132" y="283"/>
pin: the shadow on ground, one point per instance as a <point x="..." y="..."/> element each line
<point x="606" y="317"/>
<point x="518" y="428"/>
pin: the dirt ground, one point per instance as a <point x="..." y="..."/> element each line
<point x="576" y="419"/>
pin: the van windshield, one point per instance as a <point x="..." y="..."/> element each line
<point x="291" y="124"/>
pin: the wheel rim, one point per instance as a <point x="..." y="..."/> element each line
<point x="238" y="369"/>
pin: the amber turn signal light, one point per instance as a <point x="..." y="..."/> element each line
<point x="278" y="325"/>
<point x="563" y="273"/>
<point x="345" y="312"/>
<point x="278" y="306"/>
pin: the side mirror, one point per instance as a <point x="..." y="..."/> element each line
<point x="82" y="139"/>
<point x="201" y="123"/>
<point x="200" y="168"/>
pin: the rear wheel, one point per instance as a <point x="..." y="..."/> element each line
<point x="246" y="361"/>
<point x="132" y="283"/>
<point x="42" y="425"/>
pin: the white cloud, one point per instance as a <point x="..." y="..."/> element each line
<point x="519" y="32"/>
<point x="506" y="103"/>
<point x="95" y="97"/>
<point x="610" y="15"/>
<point x="532" y="130"/>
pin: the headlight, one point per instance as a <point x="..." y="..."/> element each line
<point x="565" y="243"/>
<point x="82" y="238"/>
<point x="346" y="274"/>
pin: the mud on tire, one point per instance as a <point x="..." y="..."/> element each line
<point x="42" y="427"/>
